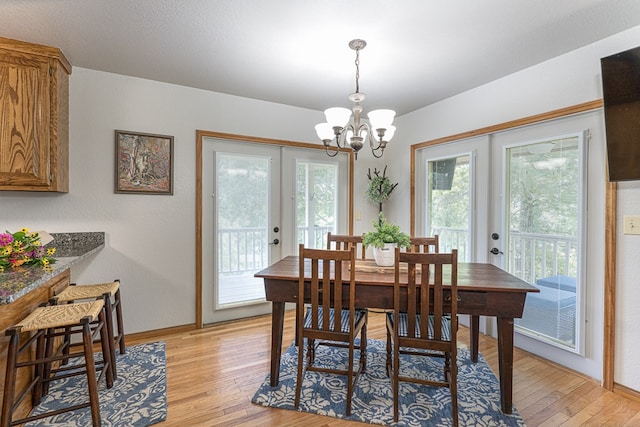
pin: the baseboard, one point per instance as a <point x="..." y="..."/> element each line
<point x="147" y="336"/>
<point x="627" y="392"/>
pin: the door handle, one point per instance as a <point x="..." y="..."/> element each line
<point x="275" y="242"/>
<point x="496" y="251"/>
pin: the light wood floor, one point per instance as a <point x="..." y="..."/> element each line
<point x="213" y="373"/>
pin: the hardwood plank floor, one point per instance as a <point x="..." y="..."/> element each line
<point x="212" y="374"/>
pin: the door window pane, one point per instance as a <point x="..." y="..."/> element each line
<point x="242" y="194"/>
<point x="543" y="195"/>
<point x="316" y="202"/>
<point x="449" y="204"/>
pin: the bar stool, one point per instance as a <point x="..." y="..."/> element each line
<point x="110" y="294"/>
<point x="48" y="323"/>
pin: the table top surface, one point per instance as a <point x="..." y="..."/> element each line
<point x="471" y="276"/>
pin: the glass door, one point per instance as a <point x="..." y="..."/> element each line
<point x="543" y="208"/>
<point x="259" y="202"/>
<point x="241" y="226"/>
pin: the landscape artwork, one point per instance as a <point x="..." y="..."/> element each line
<point x="144" y="163"/>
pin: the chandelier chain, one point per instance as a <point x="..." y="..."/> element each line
<point x="357" y="62"/>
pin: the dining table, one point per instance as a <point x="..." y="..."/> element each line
<point x="483" y="290"/>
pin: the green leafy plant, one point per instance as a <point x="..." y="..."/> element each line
<point x="385" y="233"/>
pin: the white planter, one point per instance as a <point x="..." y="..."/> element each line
<point x="386" y="256"/>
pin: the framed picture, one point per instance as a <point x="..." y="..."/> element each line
<point x="144" y="163"/>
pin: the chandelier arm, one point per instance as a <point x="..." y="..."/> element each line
<point x="335" y="152"/>
<point x="341" y="140"/>
<point x="375" y="155"/>
<point x="327" y="144"/>
<point x="377" y="145"/>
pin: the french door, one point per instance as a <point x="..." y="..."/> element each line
<point x="259" y="202"/>
<point x="517" y="199"/>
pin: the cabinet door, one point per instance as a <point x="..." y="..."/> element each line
<point x="24" y="120"/>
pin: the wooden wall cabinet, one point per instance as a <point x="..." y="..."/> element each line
<point x="34" y="117"/>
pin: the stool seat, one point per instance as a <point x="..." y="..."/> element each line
<point x="57" y="316"/>
<point x="72" y="293"/>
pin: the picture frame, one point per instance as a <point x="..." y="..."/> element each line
<point x="143" y="163"/>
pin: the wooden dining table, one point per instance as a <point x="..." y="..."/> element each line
<point x="483" y="290"/>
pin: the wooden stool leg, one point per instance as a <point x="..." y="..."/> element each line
<point x="91" y="374"/>
<point x="10" y="379"/>
<point x="67" y="344"/>
<point x="107" y="352"/>
<point x="118" y="303"/>
<point x="41" y="370"/>
<point x="108" y="322"/>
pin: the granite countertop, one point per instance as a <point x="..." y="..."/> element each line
<point x="70" y="249"/>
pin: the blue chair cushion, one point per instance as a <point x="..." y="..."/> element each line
<point x="403" y="325"/>
<point x="344" y="324"/>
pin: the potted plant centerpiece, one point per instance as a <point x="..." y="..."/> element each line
<point x="384" y="239"/>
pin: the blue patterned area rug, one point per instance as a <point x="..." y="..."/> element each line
<point x="138" y="397"/>
<point x="324" y="394"/>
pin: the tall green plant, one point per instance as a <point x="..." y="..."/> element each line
<point x="380" y="187"/>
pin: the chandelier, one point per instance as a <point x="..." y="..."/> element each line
<point x="342" y="129"/>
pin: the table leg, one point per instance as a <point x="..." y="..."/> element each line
<point x="277" y="323"/>
<point x="505" y="362"/>
<point x="475" y="337"/>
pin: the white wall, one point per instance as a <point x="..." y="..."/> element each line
<point x="561" y="82"/>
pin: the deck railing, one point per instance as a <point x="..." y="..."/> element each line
<point x="532" y="255"/>
<point x="242" y="250"/>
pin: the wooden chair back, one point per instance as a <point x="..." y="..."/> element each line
<point x="424" y="244"/>
<point x="345" y="242"/>
<point x="431" y="290"/>
<point x="326" y="291"/>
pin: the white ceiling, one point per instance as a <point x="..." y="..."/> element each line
<point x="296" y="51"/>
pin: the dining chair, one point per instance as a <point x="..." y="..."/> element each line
<point x="344" y="242"/>
<point x="322" y="323"/>
<point x="424" y="244"/>
<point x="410" y="330"/>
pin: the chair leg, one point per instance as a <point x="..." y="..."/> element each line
<point x="350" y="377"/>
<point x="453" y="386"/>
<point x="363" y="348"/>
<point x="300" y="375"/>
<point x="388" y="349"/>
<point x="396" y="381"/>
<point x="311" y="351"/>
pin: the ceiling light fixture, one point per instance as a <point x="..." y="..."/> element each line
<point x="340" y="128"/>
